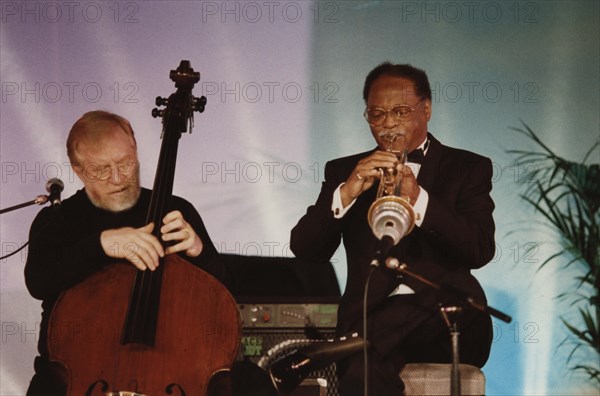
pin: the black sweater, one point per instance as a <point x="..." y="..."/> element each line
<point x="65" y="246"/>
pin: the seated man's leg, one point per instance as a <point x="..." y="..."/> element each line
<point x="404" y="331"/>
<point x="475" y="340"/>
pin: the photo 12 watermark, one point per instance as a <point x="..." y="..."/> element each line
<point x="471" y="12"/>
<point x="485" y="91"/>
<point x="270" y="12"/>
<point x="68" y="92"/>
<point x="72" y="12"/>
<point x="517" y="332"/>
<point x="35" y="172"/>
<point x="271" y="91"/>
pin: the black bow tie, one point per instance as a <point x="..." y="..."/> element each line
<point x="416" y="156"/>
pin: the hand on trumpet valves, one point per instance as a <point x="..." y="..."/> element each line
<point x="368" y="170"/>
<point x="365" y="173"/>
<point x="410" y="187"/>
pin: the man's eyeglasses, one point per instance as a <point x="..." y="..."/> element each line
<point x="94" y="171"/>
<point x="376" y="116"/>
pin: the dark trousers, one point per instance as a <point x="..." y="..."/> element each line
<point x="44" y="383"/>
<point x="405" y="330"/>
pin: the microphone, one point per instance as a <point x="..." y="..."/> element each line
<point x="391" y="218"/>
<point x="289" y="371"/>
<point x="386" y="244"/>
<point x="54" y="187"/>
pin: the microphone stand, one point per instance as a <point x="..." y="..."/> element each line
<point x="450" y="314"/>
<point x="39" y="200"/>
<point x="54" y="187"/>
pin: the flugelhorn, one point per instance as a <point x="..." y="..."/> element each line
<point x="391" y="214"/>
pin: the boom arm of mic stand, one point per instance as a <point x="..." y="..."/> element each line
<point x="393" y="263"/>
<point x="39" y="200"/>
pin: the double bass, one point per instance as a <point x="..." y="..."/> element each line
<point x="123" y="331"/>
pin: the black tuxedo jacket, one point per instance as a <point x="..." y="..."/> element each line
<point x="456" y="236"/>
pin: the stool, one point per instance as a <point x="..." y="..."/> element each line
<point x="434" y="379"/>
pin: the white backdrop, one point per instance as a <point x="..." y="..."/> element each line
<point x="283" y="81"/>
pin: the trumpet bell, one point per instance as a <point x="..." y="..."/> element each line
<point x="391" y="215"/>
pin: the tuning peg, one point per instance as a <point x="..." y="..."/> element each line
<point x="157" y="113"/>
<point x="199" y="104"/>
<point x="160" y="101"/>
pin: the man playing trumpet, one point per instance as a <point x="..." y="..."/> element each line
<point x="449" y="193"/>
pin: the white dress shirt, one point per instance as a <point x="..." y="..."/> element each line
<point x="419" y="207"/>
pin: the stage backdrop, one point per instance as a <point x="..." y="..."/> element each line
<point x="283" y="81"/>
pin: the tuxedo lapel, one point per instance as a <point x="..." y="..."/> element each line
<point x="431" y="163"/>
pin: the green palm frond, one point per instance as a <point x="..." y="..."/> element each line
<point x="567" y="196"/>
